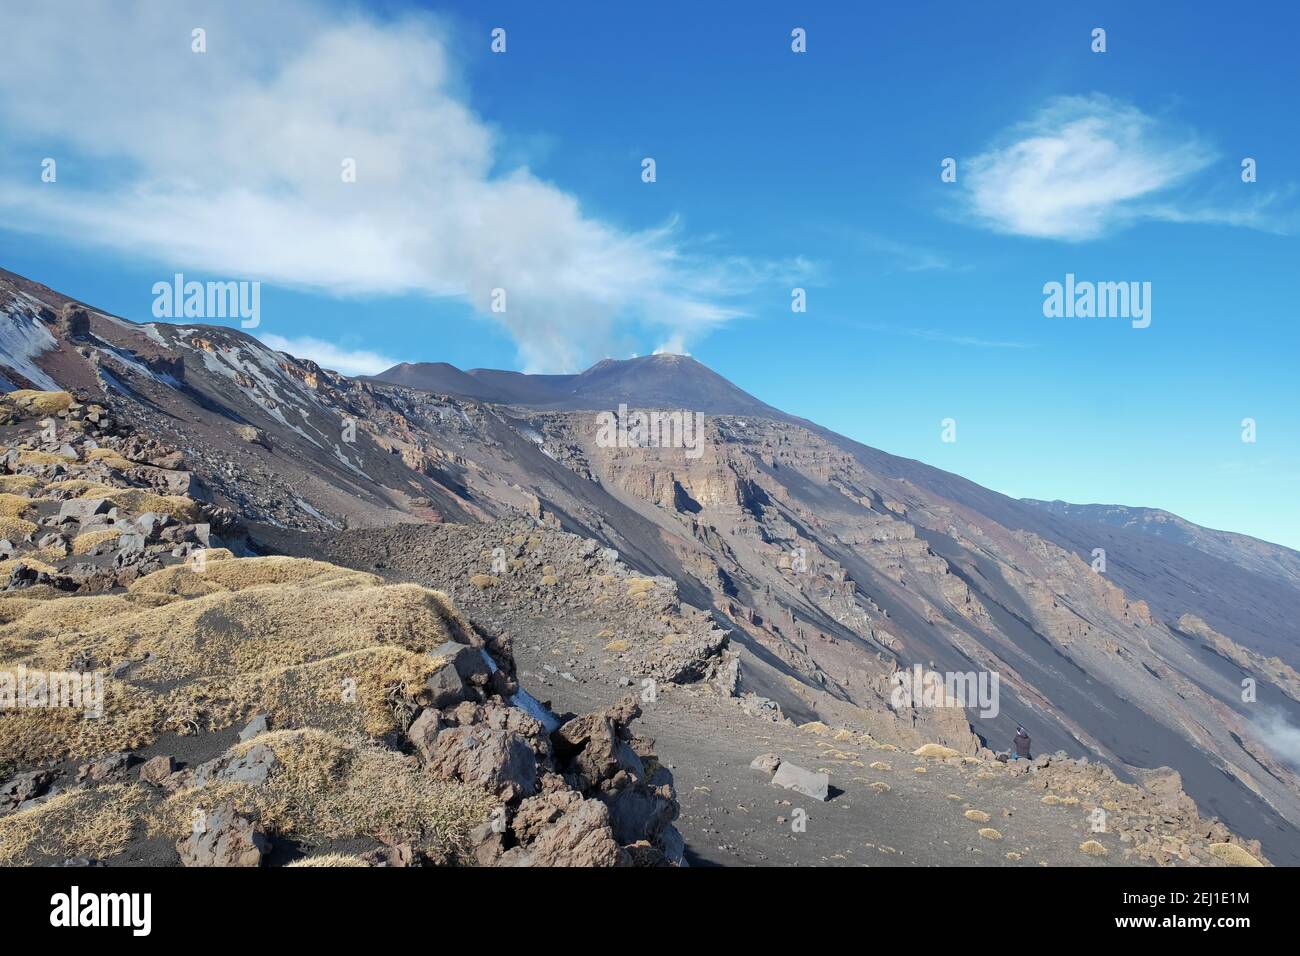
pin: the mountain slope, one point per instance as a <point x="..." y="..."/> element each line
<point x="1259" y="557"/>
<point x="834" y="565"/>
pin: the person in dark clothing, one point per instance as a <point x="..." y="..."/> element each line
<point x="1021" y="740"/>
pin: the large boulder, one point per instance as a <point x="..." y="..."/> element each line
<point x="1166" y="785"/>
<point x="638" y="813"/>
<point x="23" y="787"/>
<point x="444" y="687"/>
<point x="254" y="766"/>
<point x="157" y="769"/>
<point x="423" y="732"/>
<point x="221" y="837"/>
<point x="808" y="782"/>
<point x="83" y="509"/>
<point x="594" y="747"/>
<point x="601" y="758"/>
<point x="563" y="829"/>
<point x="499" y="760"/>
<point x="469" y="662"/>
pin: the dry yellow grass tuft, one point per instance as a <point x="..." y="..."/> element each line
<point x="18" y="484"/>
<point x="307" y="642"/>
<point x="39" y="403"/>
<point x="1233" y="855"/>
<point x="137" y="501"/>
<point x="85" y="543"/>
<point x="1093" y="848"/>
<point x="330" y="859"/>
<point x="989" y="833"/>
<point x="976" y="816"/>
<point x="29" y="559"/>
<point x="483" y="581"/>
<point x="15" y="529"/>
<point x="110" y="457"/>
<point x="222" y="574"/>
<point x="639" y="587"/>
<point x="934" y="750"/>
<point x="12" y="608"/>
<point x="15" y="506"/>
<point x="329" y="787"/>
<point x="29" y="457"/>
<point x="1052" y="800"/>
<point x="95" y="823"/>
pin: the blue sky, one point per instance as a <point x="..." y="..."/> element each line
<point x="820" y="170"/>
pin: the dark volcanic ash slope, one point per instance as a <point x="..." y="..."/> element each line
<point x="1259" y="557"/>
<point x="832" y="564"/>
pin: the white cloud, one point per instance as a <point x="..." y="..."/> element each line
<point x="1081" y="167"/>
<point x="228" y="162"/>
<point x="331" y="356"/>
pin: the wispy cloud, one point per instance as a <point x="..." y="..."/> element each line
<point x="938" y="335"/>
<point x="886" y="254"/>
<point x="1085" y="166"/>
<point x="230" y="162"/>
<point x="903" y="255"/>
<point x="331" y="356"/>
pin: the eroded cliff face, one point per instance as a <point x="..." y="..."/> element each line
<point x="844" y="574"/>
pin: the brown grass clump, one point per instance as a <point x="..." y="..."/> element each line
<point x="30" y="457"/>
<point x="934" y="750"/>
<point x="12" y="608"/>
<point x="110" y="457"/>
<point x="329" y="787"/>
<point x="138" y="501"/>
<point x="39" y="403"/>
<point x="639" y="587"/>
<point x="95" y="823"/>
<point x="15" y="529"/>
<point x="353" y="691"/>
<point x="1232" y="855"/>
<point x="15" y="506"/>
<point x="221" y="574"/>
<point x="7" y="565"/>
<point x="333" y="650"/>
<point x="330" y="859"/>
<point x="85" y="543"/>
<point x="18" y="484"/>
<point x="132" y="718"/>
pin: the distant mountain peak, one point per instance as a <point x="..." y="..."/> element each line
<point x="664" y="380"/>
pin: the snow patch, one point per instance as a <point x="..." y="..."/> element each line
<point x="23" y="337"/>
<point x="525" y="701"/>
<point x="316" y="514"/>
